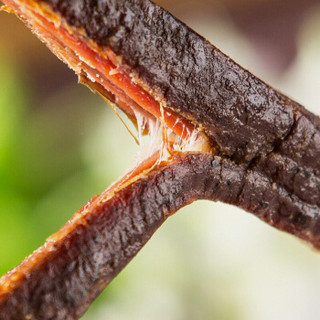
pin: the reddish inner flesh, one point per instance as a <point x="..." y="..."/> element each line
<point x="105" y="72"/>
<point x="103" y="69"/>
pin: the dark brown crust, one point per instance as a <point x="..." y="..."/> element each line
<point x="66" y="280"/>
<point x="268" y="161"/>
<point x="191" y="74"/>
<point x="64" y="283"/>
<point x="248" y="120"/>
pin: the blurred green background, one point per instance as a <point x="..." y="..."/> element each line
<point x="60" y="145"/>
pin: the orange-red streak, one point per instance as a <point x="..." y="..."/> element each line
<point x="181" y="127"/>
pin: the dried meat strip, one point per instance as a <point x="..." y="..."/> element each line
<point x="61" y="279"/>
<point x="239" y="141"/>
<point x="248" y="120"/>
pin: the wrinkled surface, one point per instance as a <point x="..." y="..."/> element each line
<point x="249" y="121"/>
<point x="69" y="274"/>
<point x="193" y="76"/>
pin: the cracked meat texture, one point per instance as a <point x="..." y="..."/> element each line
<point x="249" y="121"/>
<point x="69" y="274"/>
<point x="243" y="115"/>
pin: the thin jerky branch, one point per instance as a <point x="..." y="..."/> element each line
<point x="61" y="279"/>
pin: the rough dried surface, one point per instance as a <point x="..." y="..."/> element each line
<point x="268" y="159"/>
<point x="249" y="121"/>
<point x="192" y="75"/>
<point x="72" y="274"/>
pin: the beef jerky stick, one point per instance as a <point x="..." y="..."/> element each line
<point x="227" y="136"/>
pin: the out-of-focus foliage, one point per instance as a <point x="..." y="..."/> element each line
<point x="11" y="201"/>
